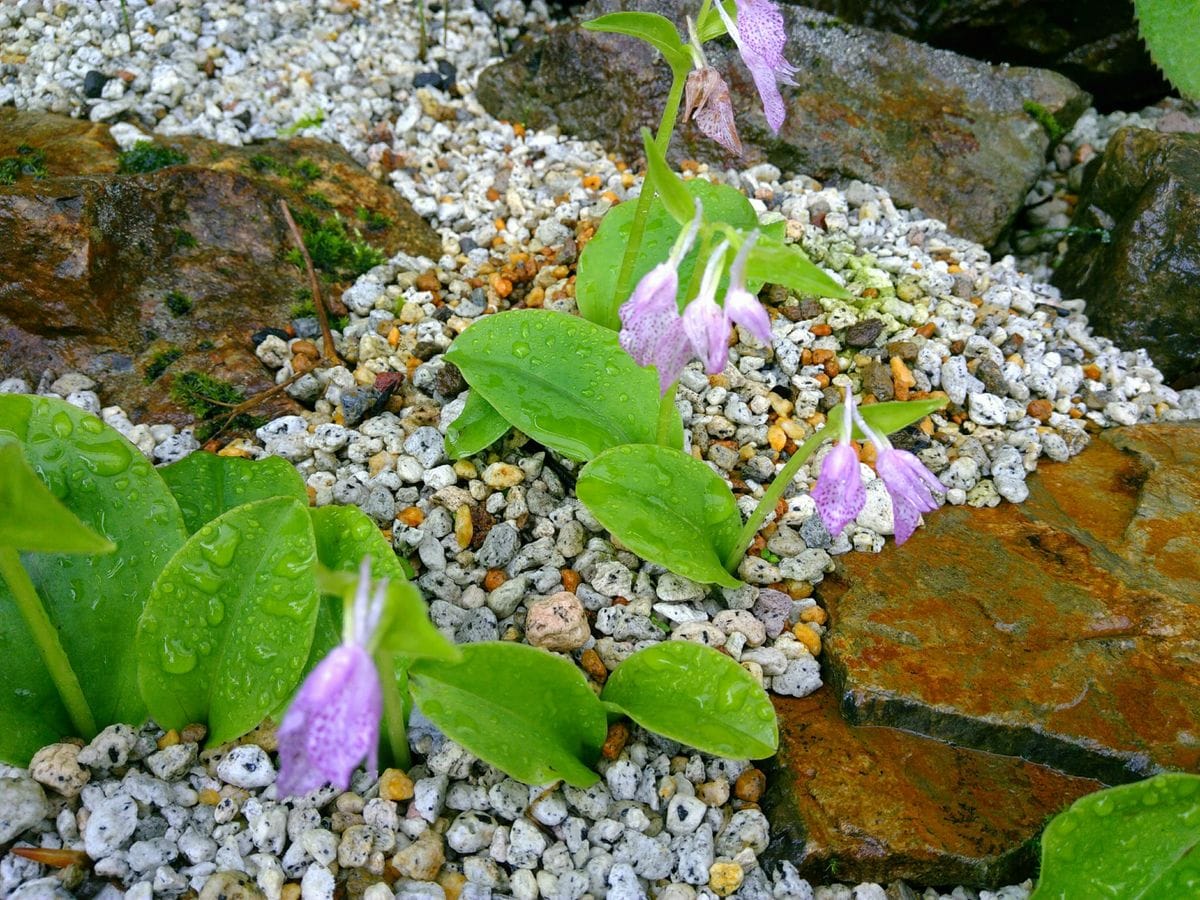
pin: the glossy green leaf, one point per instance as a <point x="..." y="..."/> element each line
<point x="697" y="696"/>
<point x="657" y="31"/>
<point x="1171" y="30"/>
<point x="94" y="600"/>
<point x="675" y="197"/>
<point x="561" y="380"/>
<point x="526" y="711"/>
<point x="32" y="518"/>
<point x="229" y="622"/>
<point x="477" y="427"/>
<point x="600" y="262"/>
<point x="206" y="485"/>
<point x="666" y="507"/>
<point x="344" y="536"/>
<point x="886" y="418"/>
<point x="772" y="261"/>
<point x="711" y="26"/>
<point x="1134" y="841"/>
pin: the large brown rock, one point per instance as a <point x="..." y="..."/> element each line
<point x="89" y="258"/>
<point x="1065" y="630"/>
<point x="1095" y="44"/>
<point x="878" y="804"/>
<point x="1142" y="285"/>
<point x="940" y="131"/>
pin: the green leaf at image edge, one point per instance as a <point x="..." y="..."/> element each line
<point x="206" y="485"/>
<point x="477" y="427"/>
<point x="1137" y="840"/>
<point x="1170" y="31"/>
<point x="94" y="600"/>
<point x="227" y="628"/>
<point x="32" y="518"/>
<point x="524" y="710"/>
<point x="666" y="507"/>
<point x="697" y="696"/>
<point x="561" y="380"/>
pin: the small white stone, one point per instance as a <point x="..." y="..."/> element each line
<point x="247" y="766"/>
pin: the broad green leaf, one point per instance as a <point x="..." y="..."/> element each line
<point x="526" y="711"/>
<point x="711" y="25"/>
<point x="600" y="262"/>
<point x="772" y="261"/>
<point x="207" y="485"/>
<point x="561" y="380"/>
<point x="655" y="30"/>
<point x="674" y="195"/>
<point x="32" y="518"/>
<point x="1134" y="841"/>
<point x="477" y="427"/>
<point x="666" y="507"/>
<point x="94" y="601"/>
<point x="697" y="696"/>
<point x="1171" y="30"/>
<point x="344" y="536"/>
<point x="228" y="626"/>
<point x="888" y="417"/>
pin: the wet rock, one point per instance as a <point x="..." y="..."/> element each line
<point x="940" y="131"/>
<point x="1096" y="45"/>
<point x="1143" y="286"/>
<point x="136" y="278"/>
<point x="895" y="805"/>
<point x="1041" y="630"/>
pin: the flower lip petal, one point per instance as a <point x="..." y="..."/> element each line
<point x="839" y="492"/>
<point x="707" y="328"/>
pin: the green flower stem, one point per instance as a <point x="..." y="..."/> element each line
<point x="666" y="407"/>
<point x="637" y="228"/>
<point x="45" y="638"/>
<point x="771" y="496"/>
<point x="394" y="726"/>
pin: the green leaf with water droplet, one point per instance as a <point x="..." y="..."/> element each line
<point x="561" y="380"/>
<point x="477" y="427"/>
<point x="345" y="534"/>
<point x="229" y="622"/>
<point x="1133" y="841"/>
<point x="94" y="600"/>
<point x="32" y="518"/>
<point x="600" y="262"/>
<point x="526" y="711"/>
<point x="665" y="506"/>
<point x="697" y="696"/>
<point x="206" y="485"/>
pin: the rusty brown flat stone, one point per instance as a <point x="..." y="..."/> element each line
<point x="88" y="258"/>
<point x="1065" y="630"/>
<point x="878" y="804"/>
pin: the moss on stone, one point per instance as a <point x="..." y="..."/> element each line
<point x="147" y="156"/>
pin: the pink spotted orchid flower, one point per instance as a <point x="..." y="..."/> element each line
<point x="332" y="723"/>
<point x="651" y="328"/>
<point x="704" y="322"/>
<point x="839" y="492"/>
<point x="760" y="38"/>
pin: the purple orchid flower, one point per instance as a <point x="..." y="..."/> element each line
<point x="332" y="723"/>
<point x="839" y="492"/>
<point x="652" y="331"/>
<point x="704" y="322"/>
<point x="760" y="38"/>
<point x="909" y="483"/>
<point x="707" y="103"/>
<point x="741" y="306"/>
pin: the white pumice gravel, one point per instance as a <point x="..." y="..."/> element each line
<point x="937" y="314"/>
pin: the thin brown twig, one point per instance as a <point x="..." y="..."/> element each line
<point x="331" y="353"/>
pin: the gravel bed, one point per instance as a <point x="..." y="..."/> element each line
<point x="1026" y="378"/>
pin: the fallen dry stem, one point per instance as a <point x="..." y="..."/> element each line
<point x="331" y="353"/>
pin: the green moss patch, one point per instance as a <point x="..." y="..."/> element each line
<point x="26" y="161"/>
<point x="160" y="362"/>
<point x="147" y="156"/>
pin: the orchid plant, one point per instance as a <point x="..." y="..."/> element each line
<point x="674" y="273"/>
